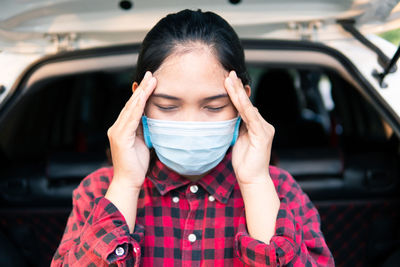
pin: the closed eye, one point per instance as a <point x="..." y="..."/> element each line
<point x="215" y="108"/>
<point x="165" y="108"/>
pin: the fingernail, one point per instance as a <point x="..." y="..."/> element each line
<point x="234" y="74"/>
<point x="146" y="75"/>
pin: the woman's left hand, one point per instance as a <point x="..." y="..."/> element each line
<point x="252" y="150"/>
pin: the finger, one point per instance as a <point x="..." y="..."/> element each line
<point x="236" y="80"/>
<point x="253" y="122"/>
<point x="147" y="85"/>
<point x="150" y="85"/>
<point x="245" y="107"/>
<point x="122" y="114"/>
<point x="135" y="107"/>
<point x="148" y="89"/>
<point x="261" y="118"/>
<point x="239" y="91"/>
<point x="132" y="115"/>
<point x="143" y="83"/>
<point x="234" y="96"/>
<point x="135" y="114"/>
<point x="123" y="126"/>
<point x="134" y="96"/>
<point x="136" y="93"/>
<point x="267" y="126"/>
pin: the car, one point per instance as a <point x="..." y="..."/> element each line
<point x="320" y="75"/>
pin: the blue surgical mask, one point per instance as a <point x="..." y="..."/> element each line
<point x="190" y="147"/>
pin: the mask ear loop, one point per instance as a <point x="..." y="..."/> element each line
<point x="146" y="132"/>
<point x="236" y="131"/>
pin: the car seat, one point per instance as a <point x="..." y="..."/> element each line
<point x="299" y="142"/>
<point x="279" y="103"/>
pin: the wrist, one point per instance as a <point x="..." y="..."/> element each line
<point x="124" y="195"/>
<point x="255" y="181"/>
<point x="127" y="184"/>
<point x="262" y="186"/>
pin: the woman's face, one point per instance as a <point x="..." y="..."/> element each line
<point x="190" y="87"/>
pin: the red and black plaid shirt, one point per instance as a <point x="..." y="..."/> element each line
<point x="182" y="223"/>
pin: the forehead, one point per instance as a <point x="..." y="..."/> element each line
<point x="195" y="72"/>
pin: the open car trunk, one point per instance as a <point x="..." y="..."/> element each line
<point x="329" y="136"/>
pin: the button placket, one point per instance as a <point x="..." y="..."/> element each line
<point x="192" y="230"/>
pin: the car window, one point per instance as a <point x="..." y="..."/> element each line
<point x="322" y="123"/>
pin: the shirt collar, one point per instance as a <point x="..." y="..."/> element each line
<point x="219" y="182"/>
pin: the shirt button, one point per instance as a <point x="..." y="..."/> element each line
<point x="175" y="199"/>
<point x="192" y="237"/>
<point x="211" y="198"/>
<point x="194" y="189"/>
<point x="119" y="251"/>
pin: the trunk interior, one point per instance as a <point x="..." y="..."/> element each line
<point x="328" y="136"/>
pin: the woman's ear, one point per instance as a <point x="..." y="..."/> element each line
<point x="247" y="88"/>
<point x="134" y="86"/>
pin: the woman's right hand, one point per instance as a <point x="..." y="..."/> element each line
<point x="130" y="155"/>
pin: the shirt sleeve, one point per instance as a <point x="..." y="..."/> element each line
<point x="97" y="233"/>
<point x="298" y="240"/>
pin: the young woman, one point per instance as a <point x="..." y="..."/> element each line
<point x="208" y="196"/>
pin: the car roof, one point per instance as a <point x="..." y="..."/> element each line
<point x="39" y="22"/>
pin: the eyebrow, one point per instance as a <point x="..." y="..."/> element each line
<point x="215" y="97"/>
<point x="166" y="96"/>
<point x="177" y="98"/>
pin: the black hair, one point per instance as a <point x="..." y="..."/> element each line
<point x="186" y="28"/>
